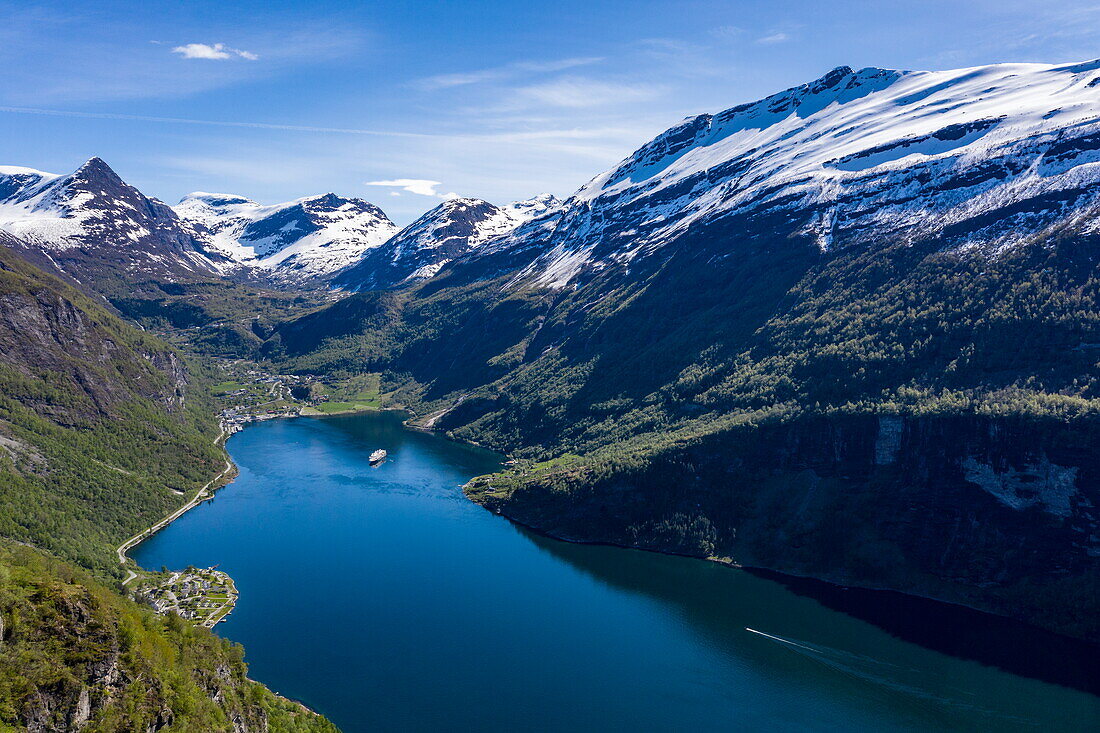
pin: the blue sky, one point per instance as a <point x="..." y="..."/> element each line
<point x="500" y="100"/>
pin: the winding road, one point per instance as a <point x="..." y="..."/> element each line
<point x="200" y="496"/>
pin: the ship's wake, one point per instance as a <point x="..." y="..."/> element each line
<point x="886" y="675"/>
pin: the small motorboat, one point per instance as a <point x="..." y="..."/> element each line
<point x="378" y="456"/>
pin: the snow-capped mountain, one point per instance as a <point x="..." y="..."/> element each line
<point x="90" y="222"/>
<point x="450" y="230"/>
<point x="980" y="157"/>
<point x="307" y="239"/>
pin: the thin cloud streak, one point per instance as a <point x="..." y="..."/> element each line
<point x="214" y="123"/>
<point x="498" y="73"/>
<point x="539" y="138"/>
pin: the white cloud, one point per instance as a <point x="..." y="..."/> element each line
<point x="217" y="52"/>
<point x="419" y="186"/>
<point x="774" y="38"/>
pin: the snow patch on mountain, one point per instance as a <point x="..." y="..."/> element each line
<point x="467" y="222"/>
<point x="854" y="156"/>
<point x="38" y="207"/>
<point x="452" y="229"/>
<point x="308" y="238"/>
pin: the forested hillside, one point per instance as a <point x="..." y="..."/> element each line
<point x="101" y="430"/>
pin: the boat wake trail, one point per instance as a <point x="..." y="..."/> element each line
<point x="882" y="674"/>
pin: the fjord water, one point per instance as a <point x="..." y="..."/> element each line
<point x="384" y="599"/>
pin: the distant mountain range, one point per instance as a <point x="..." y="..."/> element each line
<point x="298" y="241"/>
<point x="447" y="232"/>
<point x="91" y="224"/>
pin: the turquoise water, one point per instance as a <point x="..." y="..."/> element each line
<point x="381" y="597"/>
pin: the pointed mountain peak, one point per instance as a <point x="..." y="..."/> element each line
<point x="96" y="169"/>
<point x="533" y="207"/>
<point x="459" y="201"/>
<point x="326" y="200"/>
<point x="545" y="199"/>
<point x="95" y="164"/>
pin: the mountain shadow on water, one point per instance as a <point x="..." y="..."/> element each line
<point x="721" y="603"/>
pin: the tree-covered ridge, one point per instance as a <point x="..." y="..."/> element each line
<point x="75" y="655"/>
<point x="902" y="329"/>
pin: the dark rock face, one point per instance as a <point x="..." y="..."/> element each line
<point x="998" y="514"/>
<point x="46" y="327"/>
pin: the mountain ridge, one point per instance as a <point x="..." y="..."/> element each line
<point x="91" y="223"/>
<point x="845" y="154"/>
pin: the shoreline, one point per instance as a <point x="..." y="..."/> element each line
<point x="201" y="495"/>
<point x="778" y="575"/>
<point x="207" y="491"/>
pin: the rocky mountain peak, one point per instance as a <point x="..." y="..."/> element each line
<point x="94" y="226"/>
<point x="450" y="230"/>
<point x="295" y="242"/>
<point x="95" y="167"/>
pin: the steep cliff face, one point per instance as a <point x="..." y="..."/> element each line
<point x="996" y="513"/>
<point x="100" y="429"/>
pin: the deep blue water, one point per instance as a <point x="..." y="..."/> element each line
<point x="382" y="598"/>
